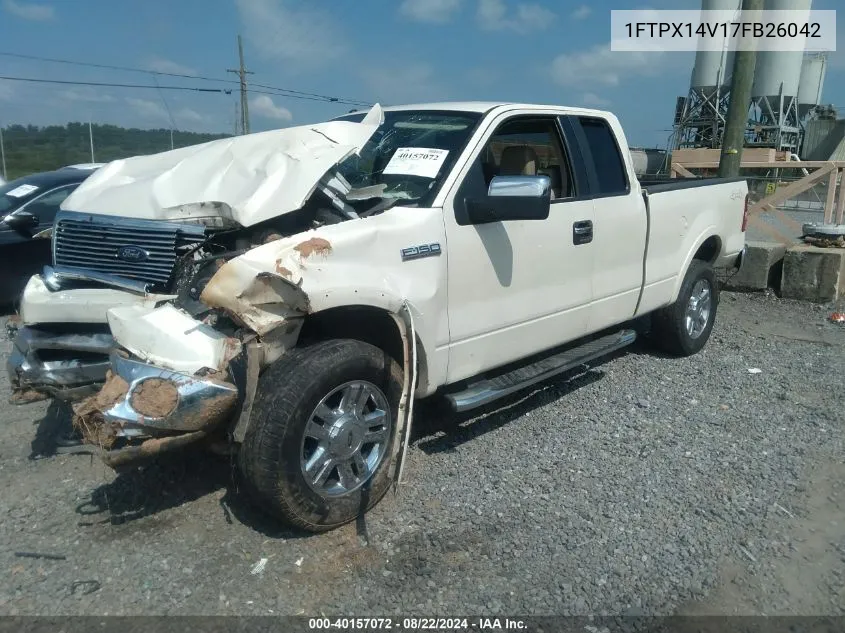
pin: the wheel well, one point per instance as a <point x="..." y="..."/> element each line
<point x="362" y="323"/>
<point x="709" y="250"/>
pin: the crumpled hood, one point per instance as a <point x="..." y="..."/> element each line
<point x="248" y="179"/>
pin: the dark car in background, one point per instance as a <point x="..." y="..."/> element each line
<point x="28" y="206"/>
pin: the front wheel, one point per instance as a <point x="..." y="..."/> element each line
<point x="683" y="328"/>
<point x="317" y="452"/>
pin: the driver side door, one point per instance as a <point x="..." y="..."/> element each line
<point x="521" y="286"/>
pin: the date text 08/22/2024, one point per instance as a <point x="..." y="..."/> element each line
<point x="416" y="624"/>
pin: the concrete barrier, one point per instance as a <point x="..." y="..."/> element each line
<point x="761" y="267"/>
<point x="813" y="274"/>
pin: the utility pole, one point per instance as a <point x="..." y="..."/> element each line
<point x="91" y="139"/>
<point x="2" y="153"/>
<point x="166" y="107"/>
<point x="242" y="72"/>
<point x="741" y="82"/>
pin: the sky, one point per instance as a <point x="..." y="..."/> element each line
<point x="385" y="51"/>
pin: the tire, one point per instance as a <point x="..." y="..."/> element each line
<point x="670" y="329"/>
<point x="281" y="438"/>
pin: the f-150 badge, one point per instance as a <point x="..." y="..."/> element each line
<point x="418" y="252"/>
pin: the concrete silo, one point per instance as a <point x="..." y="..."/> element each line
<point x="774" y="94"/>
<point x="712" y="68"/>
<point x="811" y="85"/>
<point x="700" y="117"/>
<point x="787" y="86"/>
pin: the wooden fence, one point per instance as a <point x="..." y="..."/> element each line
<point x="815" y="172"/>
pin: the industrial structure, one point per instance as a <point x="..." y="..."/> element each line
<point x="786" y="93"/>
<point x="700" y="116"/>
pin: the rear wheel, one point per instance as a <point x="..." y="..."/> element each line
<point x="683" y="328"/>
<point x="317" y="452"/>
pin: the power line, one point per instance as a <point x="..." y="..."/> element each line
<point x="266" y="92"/>
<point x="227" y="91"/>
<point x="280" y="91"/>
<point x="111" y="67"/>
<point x="293" y="94"/>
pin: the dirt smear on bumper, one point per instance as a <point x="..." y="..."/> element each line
<point x="88" y="414"/>
<point x="155" y="398"/>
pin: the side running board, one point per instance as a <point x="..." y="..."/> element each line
<point x="490" y="389"/>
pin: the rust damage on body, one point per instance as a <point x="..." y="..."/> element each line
<point x="284" y="272"/>
<point x="315" y="245"/>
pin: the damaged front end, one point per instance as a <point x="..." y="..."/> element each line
<point x="152" y="230"/>
<point x="143" y="410"/>
<point x="185" y="369"/>
<point x="172" y="380"/>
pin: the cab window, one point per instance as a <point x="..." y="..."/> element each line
<point x="529" y="146"/>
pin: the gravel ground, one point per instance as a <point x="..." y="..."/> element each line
<point x="646" y="486"/>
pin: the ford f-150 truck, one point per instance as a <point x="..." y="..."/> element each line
<point x="289" y="294"/>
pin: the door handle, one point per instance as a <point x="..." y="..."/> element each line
<point x="582" y="232"/>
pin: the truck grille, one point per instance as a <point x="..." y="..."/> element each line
<point x="143" y="250"/>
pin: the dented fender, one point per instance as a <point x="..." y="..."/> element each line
<point x="310" y="272"/>
<point x="273" y="288"/>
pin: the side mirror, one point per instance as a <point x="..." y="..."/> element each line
<point x="513" y="198"/>
<point x="21" y="220"/>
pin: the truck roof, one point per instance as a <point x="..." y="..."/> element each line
<point x="485" y="106"/>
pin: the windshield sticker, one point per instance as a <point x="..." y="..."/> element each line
<point x="23" y="190"/>
<point x="416" y="161"/>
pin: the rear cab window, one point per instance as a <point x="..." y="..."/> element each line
<point x="608" y="175"/>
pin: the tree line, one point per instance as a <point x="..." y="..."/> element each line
<point x="29" y="149"/>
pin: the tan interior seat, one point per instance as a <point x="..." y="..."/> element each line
<point x="553" y="172"/>
<point x="518" y="160"/>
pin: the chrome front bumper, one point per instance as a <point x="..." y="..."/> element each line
<point x="144" y="410"/>
<point x="158" y="400"/>
<point x="66" y="366"/>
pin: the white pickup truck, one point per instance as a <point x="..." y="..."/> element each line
<point x="290" y="294"/>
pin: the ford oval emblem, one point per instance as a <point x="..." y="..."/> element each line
<point x="132" y="254"/>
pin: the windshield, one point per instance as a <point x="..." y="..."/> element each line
<point x="410" y="153"/>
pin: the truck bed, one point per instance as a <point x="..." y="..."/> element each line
<point x="677" y="184"/>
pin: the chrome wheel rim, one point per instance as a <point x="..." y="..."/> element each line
<point x="345" y="439"/>
<point x="698" y="308"/>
